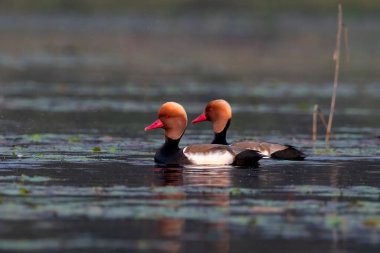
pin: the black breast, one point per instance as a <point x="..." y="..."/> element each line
<point x="170" y="154"/>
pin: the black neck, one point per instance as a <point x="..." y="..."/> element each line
<point x="169" y="152"/>
<point x="170" y="144"/>
<point x="220" y="138"/>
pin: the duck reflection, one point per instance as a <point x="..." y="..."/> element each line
<point x="216" y="178"/>
<point x="167" y="176"/>
<point x="208" y="176"/>
<point x="170" y="228"/>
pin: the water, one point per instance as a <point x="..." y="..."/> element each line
<point x="77" y="174"/>
<point x="77" y="171"/>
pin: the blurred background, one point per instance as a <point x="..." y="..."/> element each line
<point x="92" y="55"/>
<point x="150" y="40"/>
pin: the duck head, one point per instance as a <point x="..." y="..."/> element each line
<point x="219" y="112"/>
<point x="172" y="118"/>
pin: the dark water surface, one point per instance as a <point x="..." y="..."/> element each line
<point x="77" y="174"/>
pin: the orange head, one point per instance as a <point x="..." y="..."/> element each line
<point x="173" y="118"/>
<point x="218" y="112"/>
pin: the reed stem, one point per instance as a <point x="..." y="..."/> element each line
<point x="336" y="76"/>
<point x="317" y="112"/>
<point x="314" y="130"/>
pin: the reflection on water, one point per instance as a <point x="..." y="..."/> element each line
<point x="169" y="227"/>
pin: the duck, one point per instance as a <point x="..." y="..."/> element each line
<point x="219" y="112"/>
<point x="172" y="118"/>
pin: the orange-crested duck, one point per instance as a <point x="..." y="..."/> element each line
<point x="172" y="118"/>
<point x="219" y="112"/>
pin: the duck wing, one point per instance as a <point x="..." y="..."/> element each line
<point x="273" y="150"/>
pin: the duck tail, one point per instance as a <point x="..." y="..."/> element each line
<point x="289" y="153"/>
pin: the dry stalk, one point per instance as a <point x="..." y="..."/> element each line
<point x="317" y="112"/>
<point x="322" y="117"/>
<point x="314" y="130"/>
<point x="336" y="76"/>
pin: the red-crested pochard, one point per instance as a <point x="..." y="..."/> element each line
<point x="172" y="118"/>
<point x="219" y="113"/>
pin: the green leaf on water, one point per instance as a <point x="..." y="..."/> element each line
<point x="40" y="155"/>
<point x="34" y="179"/>
<point x="96" y="149"/>
<point x="23" y="191"/>
<point x="73" y="139"/>
<point x="112" y="150"/>
<point x="235" y="192"/>
<point x="327" y="151"/>
<point x="23" y="178"/>
<point x="333" y="221"/>
<point x="17" y="148"/>
<point x="35" y="137"/>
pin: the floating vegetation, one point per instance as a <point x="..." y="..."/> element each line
<point x="24" y="179"/>
<point x="35" y="137"/>
<point x="96" y="149"/>
<point x="24" y="191"/>
<point x="73" y="139"/>
<point x="112" y="150"/>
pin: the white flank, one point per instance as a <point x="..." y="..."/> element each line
<point x="265" y="153"/>
<point x="210" y="158"/>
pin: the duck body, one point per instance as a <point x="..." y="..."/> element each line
<point x="214" y="154"/>
<point x="173" y="119"/>
<point x="205" y="154"/>
<point x="219" y="113"/>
